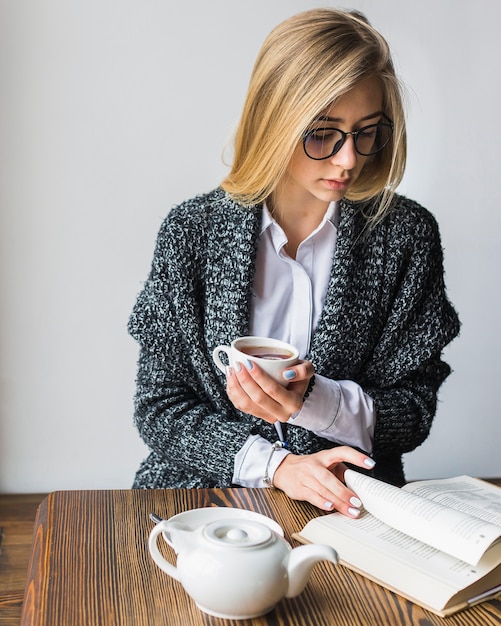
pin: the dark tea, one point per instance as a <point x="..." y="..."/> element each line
<point x="266" y="352"/>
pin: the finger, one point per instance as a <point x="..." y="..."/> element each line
<point x="329" y="499"/>
<point x="303" y="370"/>
<point x="266" y="393"/>
<point x="304" y="477"/>
<point x="330" y="502"/>
<point x="249" y="397"/>
<point x="329" y="483"/>
<point x="347" y="454"/>
<point x="330" y="493"/>
<point x="317" y="485"/>
<point x="290" y="397"/>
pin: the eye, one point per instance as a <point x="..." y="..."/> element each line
<point x="322" y="134"/>
<point x="369" y="132"/>
<point x="320" y="143"/>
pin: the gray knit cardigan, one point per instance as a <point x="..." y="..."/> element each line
<point x="385" y="322"/>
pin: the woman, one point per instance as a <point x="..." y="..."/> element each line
<point x="305" y="241"/>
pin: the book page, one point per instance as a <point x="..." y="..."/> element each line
<point x="449" y="530"/>
<point x="388" y="555"/>
<point x="463" y="493"/>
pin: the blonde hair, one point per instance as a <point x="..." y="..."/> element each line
<point x="305" y="64"/>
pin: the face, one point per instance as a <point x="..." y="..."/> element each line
<point x="319" y="182"/>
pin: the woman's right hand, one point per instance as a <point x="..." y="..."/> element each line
<point x="318" y="478"/>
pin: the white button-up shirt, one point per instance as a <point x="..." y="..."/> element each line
<point x="287" y="303"/>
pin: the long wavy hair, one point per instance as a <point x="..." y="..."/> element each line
<point x="305" y="64"/>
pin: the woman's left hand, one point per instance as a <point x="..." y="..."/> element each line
<point x="254" y="392"/>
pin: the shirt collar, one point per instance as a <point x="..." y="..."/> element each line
<point x="331" y="216"/>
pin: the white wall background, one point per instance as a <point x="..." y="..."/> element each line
<point x="112" y="111"/>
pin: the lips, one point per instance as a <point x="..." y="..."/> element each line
<point x="337" y="184"/>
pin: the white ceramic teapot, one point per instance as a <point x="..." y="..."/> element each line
<point x="234" y="563"/>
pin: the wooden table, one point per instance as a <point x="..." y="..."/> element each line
<point x="90" y="566"/>
<point x="17" y="515"/>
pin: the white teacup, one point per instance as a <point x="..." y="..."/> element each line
<point x="272" y="355"/>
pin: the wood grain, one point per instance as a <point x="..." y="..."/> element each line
<point x="90" y="566"/>
<point x="17" y="515"/>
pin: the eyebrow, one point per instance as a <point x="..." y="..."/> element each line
<point x="326" y="118"/>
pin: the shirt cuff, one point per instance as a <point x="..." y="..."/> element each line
<point x="251" y="460"/>
<point x="338" y="411"/>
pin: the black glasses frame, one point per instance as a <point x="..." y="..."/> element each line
<point x="386" y="122"/>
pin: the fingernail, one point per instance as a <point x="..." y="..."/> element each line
<point x="328" y="505"/>
<point x="249" y="364"/>
<point x="354" y="512"/>
<point x="229" y="370"/>
<point x="356" y="502"/>
<point x="237" y="366"/>
<point x="369" y="463"/>
<point x="289" y="374"/>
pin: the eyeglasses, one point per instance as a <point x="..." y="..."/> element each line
<point x="322" y="143"/>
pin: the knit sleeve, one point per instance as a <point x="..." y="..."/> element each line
<point x="189" y="435"/>
<point x="406" y="369"/>
<point x="181" y="408"/>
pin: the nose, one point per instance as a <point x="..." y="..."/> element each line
<point x="347" y="156"/>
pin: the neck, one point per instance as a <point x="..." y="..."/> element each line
<point x="297" y="217"/>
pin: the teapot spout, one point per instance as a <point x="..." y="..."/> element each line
<point x="301" y="562"/>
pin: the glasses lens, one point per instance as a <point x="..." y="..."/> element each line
<point x="322" y="142"/>
<point x="373" y="138"/>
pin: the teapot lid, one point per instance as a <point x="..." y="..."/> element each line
<point x="238" y="533"/>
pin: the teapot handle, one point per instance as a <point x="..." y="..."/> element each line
<point x="163" y="564"/>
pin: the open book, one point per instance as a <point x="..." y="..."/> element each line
<point x="435" y="542"/>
